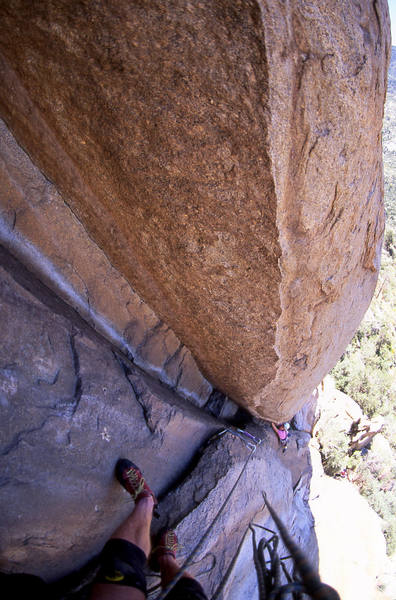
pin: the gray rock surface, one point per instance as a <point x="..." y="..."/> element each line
<point x="39" y="227"/>
<point x="227" y="159"/>
<point x="70" y="408"/>
<point x="306" y="418"/>
<point x="284" y="477"/>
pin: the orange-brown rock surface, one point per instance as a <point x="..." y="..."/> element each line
<point x="226" y="157"/>
<point x="39" y="228"/>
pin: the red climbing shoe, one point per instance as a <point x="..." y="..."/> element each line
<point x="131" y="478"/>
<point x="167" y="544"/>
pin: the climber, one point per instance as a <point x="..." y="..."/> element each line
<point x="121" y="575"/>
<point x="282" y="432"/>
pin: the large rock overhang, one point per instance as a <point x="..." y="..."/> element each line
<point x="226" y="157"/>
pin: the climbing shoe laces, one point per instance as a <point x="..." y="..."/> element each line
<point x="131" y="478"/>
<point x="167" y="544"/>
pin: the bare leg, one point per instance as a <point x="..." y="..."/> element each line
<point x="135" y="529"/>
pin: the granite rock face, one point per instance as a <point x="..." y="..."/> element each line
<point x="38" y="227"/>
<point x="285" y="478"/>
<point x="227" y="159"/>
<point x="70" y="408"/>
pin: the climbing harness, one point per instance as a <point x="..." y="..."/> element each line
<point x="251" y="442"/>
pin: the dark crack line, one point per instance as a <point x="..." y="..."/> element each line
<point x="338" y="217"/>
<point x="50" y="342"/>
<point x="138" y="397"/>
<point x="172" y="356"/>
<point x="302" y="151"/>
<point x="301" y="71"/>
<point x="371" y="192"/>
<point x="38" y="542"/>
<point x="78" y="382"/>
<point x="148" y="335"/>
<point x="296" y="486"/>
<point x="142" y="405"/>
<point x="332" y="217"/>
<point x="180" y="373"/>
<point x="332" y="209"/>
<point x="7" y="366"/>
<point x="312" y="148"/>
<point x="361" y="66"/>
<point x="19" y="437"/>
<point x="121" y="359"/>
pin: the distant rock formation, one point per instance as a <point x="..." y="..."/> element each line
<point x="341" y="413"/>
<point x="352" y="546"/>
<point x="225" y="158"/>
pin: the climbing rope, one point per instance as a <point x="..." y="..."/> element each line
<point x="269" y="578"/>
<point x="231" y="566"/>
<point x="310" y="583"/>
<point x="252" y="443"/>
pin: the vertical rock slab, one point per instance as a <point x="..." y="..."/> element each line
<point x="200" y="496"/>
<point x="38" y="227"/>
<point x="227" y="158"/>
<point x="69" y="411"/>
<point x="327" y="66"/>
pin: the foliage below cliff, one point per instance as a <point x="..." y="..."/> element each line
<point x="367" y="369"/>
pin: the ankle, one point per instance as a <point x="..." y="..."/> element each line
<point x="168" y="567"/>
<point x="146" y="502"/>
<point x="167" y="560"/>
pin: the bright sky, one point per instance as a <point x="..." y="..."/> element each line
<point x="392" y="10"/>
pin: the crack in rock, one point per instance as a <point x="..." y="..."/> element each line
<point x="20" y="436"/>
<point x="137" y="395"/>
<point x="78" y="381"/>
